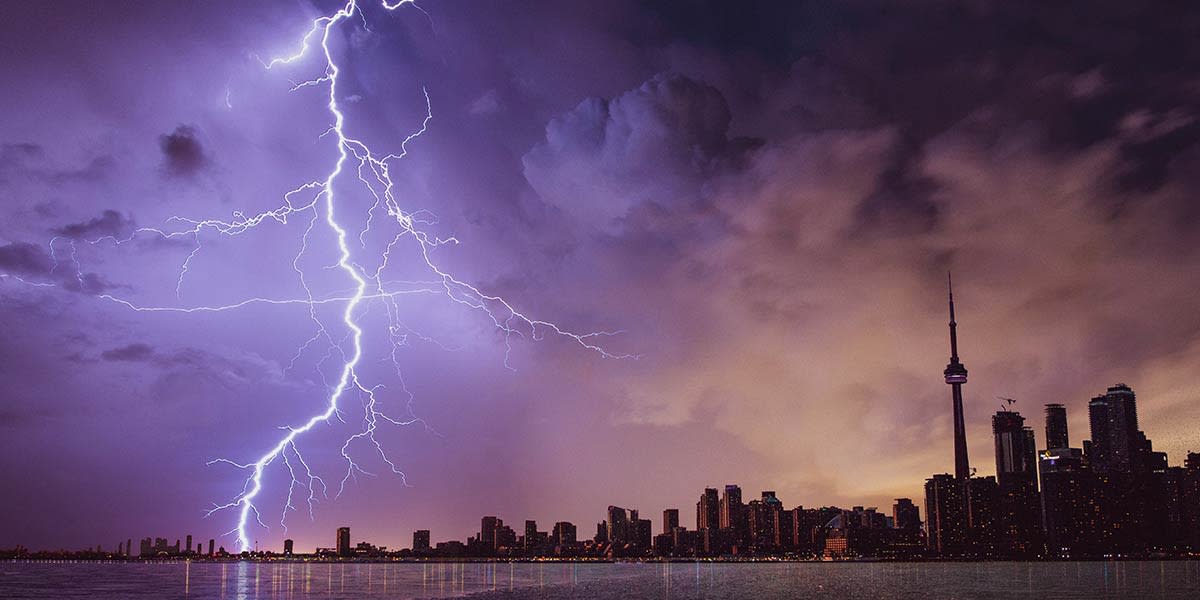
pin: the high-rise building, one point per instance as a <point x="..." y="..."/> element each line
<point x="670" y="519"/>
<point x="1018" y="516"/>
<point x="731" y="507"/>
<point x="487" y="531"/>
<point x="189" y="544"/>
<point x="288" y="547"/>
<point x="1114" y="429"/>
<point x="564" y="533"/>
<point x="906" y="515"/>
<point x="343" y="542"/>
<point x="1016" y="455"/>
<point x="946" y="516"/>
<point x="619" y="525"/>
<point x="708" y="510"/>
<point x="956" y="375"/>
<point x="531" y="534"/>
<point x="421" y="540"/>
<point x="211" y="547"/>
<point x="1056" y="427"/>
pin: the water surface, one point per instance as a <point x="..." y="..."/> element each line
<point x="550" y="581"/>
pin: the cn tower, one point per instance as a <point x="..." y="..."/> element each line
<point x="956" y="376"/>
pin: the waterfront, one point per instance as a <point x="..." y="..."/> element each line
<point x="548" y="581"/>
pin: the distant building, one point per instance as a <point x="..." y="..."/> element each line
<point x="421" y="540"/>
<point x="670" y="519"/>
<point x="564" y="533"/>
<point x="905" y="515"/>
<point x="1056" y="427"/>
<point x="288" y="546"/>
<point x="708" y="510"/>
<point x="1018" y="517"/>
<point x="343" y="542"/>
<point x="946" y="516"/>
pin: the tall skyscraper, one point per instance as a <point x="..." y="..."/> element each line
<point x="670" y="519"/>
<point x="731" y="507"/>
<point x="288" y="547"/>
<point x="956" y="376"/>
<point x="564" y="533"/>
<point x="487" y="531"/>
<point x="343" y="541"/>
<point x="1113" y="420"/>
<point x="189" y="544"/>
<point x="1056" y="427"/>
<point x="531" y="534"/>
<point x="1016" y="455"/>
<point x="708" y="510"/>
<point x="1018" y="509"/>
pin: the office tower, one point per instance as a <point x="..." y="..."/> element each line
<point x="906" y="515"/>
<point x="619" y="527"/>
<point x="670" y="519"/>
<point x="1016" y="466"/>
<point x="531" y="534"/>
<point x="784" y="529"/>
<point x="487" y="531"/>
<point x="211" y="546"/>
<point x="1056" y="427"/>
<point x="601" y="536"/>
<point x="1114" y="429"/>
<point x="1018" y="516"/>
<point x="343" y="542"/>
<point x="946" y="516"/>
<point x="1070" y="503"/>
<point x="731" y="507"/>
<point x="288" y="547"/>
<point x="420" y="540"/>
<point x="129" y="547"/>
<point x="956" y="376"/>
<point x="189" y="544"/>
<point x="564" y="533"/>
<point x="708" y="510"/>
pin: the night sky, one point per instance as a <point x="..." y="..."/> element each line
<point x="764" y="198"/>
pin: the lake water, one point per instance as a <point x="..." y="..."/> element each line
<point x="333" y="581"/>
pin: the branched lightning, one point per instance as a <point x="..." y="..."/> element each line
<point x="310" y="203"/>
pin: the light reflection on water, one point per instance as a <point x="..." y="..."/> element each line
<point x="682" y="581"/>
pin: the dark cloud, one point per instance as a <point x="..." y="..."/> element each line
<point x="25" y="259"/>
<point x="109" y="223"/>
<point x="183" y="154"/>
<point x="136" y="352"/>
<point x="654" y="145"/>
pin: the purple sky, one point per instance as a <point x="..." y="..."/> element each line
<point x="764" y="198"/>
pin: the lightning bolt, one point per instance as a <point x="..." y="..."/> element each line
<point x="309" y="203"/>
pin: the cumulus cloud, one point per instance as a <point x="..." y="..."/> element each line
<point x="649" y="146"/>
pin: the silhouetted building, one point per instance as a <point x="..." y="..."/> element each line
<point x="708" y="510"/>
<point x="1056" y="427"/>
<point x="670" y="519"/>
<point x="189" y="545"/>
<point x="487" y="531"/>
<point x="564" y="533"/>
<point x="905" y="515"/>
<point x="288" y="546"/>
<point x="946" y="516"/>
<point x="421" y="540"/>
<point x="1018" y="517"/>
<point x="343" y="542"/>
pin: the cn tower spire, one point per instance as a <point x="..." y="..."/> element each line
<point x="956" y="376"/>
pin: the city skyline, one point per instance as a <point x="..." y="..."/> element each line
<point x="756" y="204"/>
